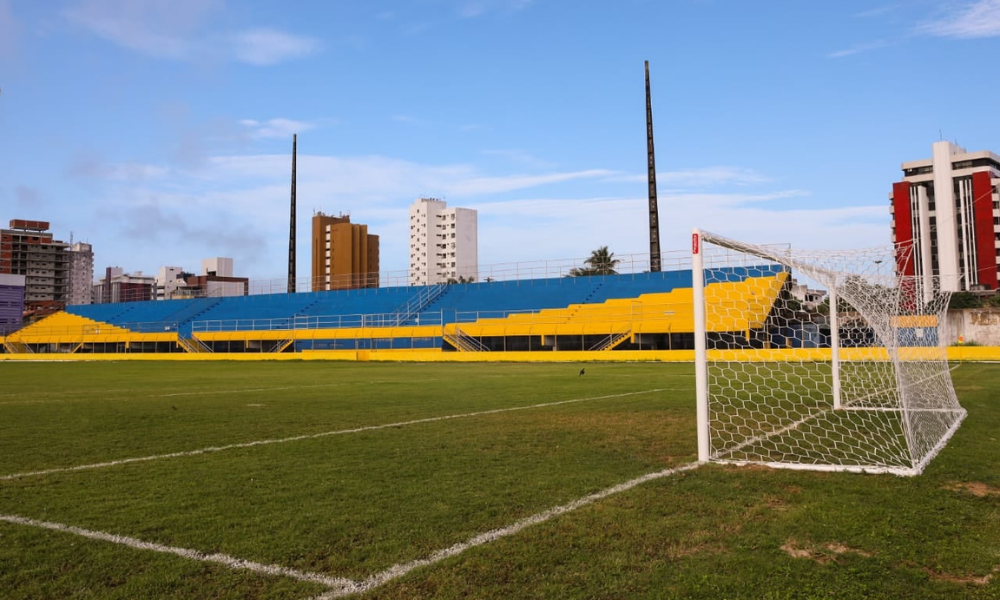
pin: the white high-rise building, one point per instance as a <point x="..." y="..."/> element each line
<point x="444" y="243"/>
<point x="168" y="280"/>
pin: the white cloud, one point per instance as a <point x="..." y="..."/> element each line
<point x="378" y="178"/>
<point x="877" y="12"/>
<point x="976" y="20"/>
<point x="265" y="47"/>
<point x="235" y="192"/>
<point x="90" y="165"/>
<point x="158" y="28"/>
<point x="9" y="29"/>
<point x="474" y="8"/>
<point x="622" y="224"/>
<point x="275" y="128"/>
<point x="407" y="119"/>
<point x="858" y="49"/>
<point x="520" y="158"/>
<point x="178" y="30"/>
<point x="704" y="177"/>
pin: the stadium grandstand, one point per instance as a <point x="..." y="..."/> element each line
<point x="513" y="310"/>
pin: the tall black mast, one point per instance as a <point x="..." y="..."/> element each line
<point x="654" y="219"/>
<point x="291" y="227"/>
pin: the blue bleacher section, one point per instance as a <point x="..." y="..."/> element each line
<point x="380" y="307"/>
<point x="147" y="317"/>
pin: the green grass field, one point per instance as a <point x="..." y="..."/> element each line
<point x="347" y="475"/>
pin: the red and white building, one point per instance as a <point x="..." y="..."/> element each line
<point x="949" y="206"/>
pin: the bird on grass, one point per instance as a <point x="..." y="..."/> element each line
<point x="582" y="371"/>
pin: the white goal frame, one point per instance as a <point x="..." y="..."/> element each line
<point x="922" y="404"/>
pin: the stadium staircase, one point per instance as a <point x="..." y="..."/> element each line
<point x="464" y="342"/>
<point x="187" y="314"/>
<point x="405" y="315"/>
<point x="193" y="345"/>
<point x="16" y="347"/>
<point x="613" y="340"/>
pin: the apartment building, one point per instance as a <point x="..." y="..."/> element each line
<point x="948" y="206"/>
<point x="344" y="255"/>
<point x="444" y="243"/>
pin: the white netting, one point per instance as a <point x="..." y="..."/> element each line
<point x="780" y="393"/>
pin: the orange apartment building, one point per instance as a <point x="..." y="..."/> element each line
<point x="344" y="255"/>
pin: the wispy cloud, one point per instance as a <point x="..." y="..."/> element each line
<point x="233" y="192"/>
<point x="620" y="223"/>
<point x="978" y="19"/>
<point x="474" y="8"/>
<point x="263" y="47"/>
<point x="179" y="30"/>
<point x="275" y="128"/>
<point x="858" y="49"/>
<point x="10" y="29"/>
<point x="701" y="178"/>
<point x="877" y="11"/>
<point x="28" y="199"/>
<point x="407" y="119"/>
<point x="91" y="165"/>
<point x="520" y="158"/>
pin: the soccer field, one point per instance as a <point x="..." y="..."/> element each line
<point x="306" y="480"/>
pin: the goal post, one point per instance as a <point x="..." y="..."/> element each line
<point x="857" y="382"/>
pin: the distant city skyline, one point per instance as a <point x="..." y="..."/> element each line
<point x="160" y="131"/>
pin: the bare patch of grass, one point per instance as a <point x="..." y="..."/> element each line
<point x="821" y="554"/>
<point x="962" y="579"/>
<point x="976" y="488"/>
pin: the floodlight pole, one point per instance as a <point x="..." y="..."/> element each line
<point x="835" y="345"/>
<point x="700" y="352"/>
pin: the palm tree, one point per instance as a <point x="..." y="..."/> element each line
<point x="601" y="262"/>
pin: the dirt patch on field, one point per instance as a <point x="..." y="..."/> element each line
<point x="820" y="553"/>
<point x="776" y="503"/>
<point x="980" y="490"/>
<point x="684" y="551"/>
<point x="962" y="579"/>
<point x="842" y="549"/>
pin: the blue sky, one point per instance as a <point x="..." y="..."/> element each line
<point x="160" y="130"/>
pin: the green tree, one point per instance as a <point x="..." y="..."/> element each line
<point x="601" y="262"/>
<point x="461" y="279"/>
<point x="964" y="300"/>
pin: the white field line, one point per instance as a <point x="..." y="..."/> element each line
<point x="66" y="393"/>
<point x="311" y="436"/>
<point x="213" y="392"/>
<point x="339" y="587"/>
<point x="222" y="559"/>
<point x="401" y="569"/>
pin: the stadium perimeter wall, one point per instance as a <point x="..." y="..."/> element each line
<point x="955" y="353"/>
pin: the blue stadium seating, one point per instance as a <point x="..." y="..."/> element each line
<point x="374" y="307"/>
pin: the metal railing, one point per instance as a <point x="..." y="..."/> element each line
<point x="356" y="321"/>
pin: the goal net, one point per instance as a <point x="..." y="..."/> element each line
<point x="856" y="382"/>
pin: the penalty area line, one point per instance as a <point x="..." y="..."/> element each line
<point x="312" y="436"/>
<point x="338" y="587"/>
<point x="222" y="559"/>
<point x="401" y="569"/>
